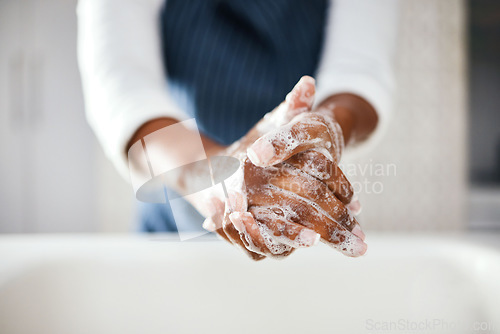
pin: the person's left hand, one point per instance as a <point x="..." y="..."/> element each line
<point x="290" y="189"/>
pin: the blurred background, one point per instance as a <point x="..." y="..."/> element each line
<point x="70" y="264"/>
<point x="443" y="146"/>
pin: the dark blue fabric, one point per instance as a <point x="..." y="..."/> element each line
<point x="156" y="217"/>
<point x="231" y="61"/>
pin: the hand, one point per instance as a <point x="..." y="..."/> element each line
<point x="289" y="191"/>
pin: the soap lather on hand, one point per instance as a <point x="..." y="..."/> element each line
<point x="289" y="191"/>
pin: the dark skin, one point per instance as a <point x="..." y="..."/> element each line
<point x="295" y="172"/>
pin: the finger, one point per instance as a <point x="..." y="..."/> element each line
<point x="308" y="187"/>
<point x="347" y="244"/>
<point x="299" y="100"/>
<point x="282" y="230"/>
<point x="354" y="206"/>
<point x="220" y="232"/>
<point x="358" y="232"/>
<point x="306" y="131"/>
<point x="237" y="202"/>
<point x="317" y="165"/>
<point x="233" y="236"/>
<point x="214" y="222"/>
<point x="310" y="215"/>
<point x="256" y="238"/>
<point x="301" y="97"/>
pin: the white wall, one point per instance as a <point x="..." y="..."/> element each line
<point x="426" y="141"/>
<point x="53" y="175"/>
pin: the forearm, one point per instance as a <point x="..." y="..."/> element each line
<point x="159" y="123"/>
<point x="175" y="146"/>
<point x="357" y="118"/>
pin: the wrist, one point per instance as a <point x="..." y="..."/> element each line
<point x="212" y="148"/>
<point x="356" y="117"/>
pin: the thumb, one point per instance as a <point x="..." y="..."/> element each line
<point x="299" y="100"/>
<point x="301" y="97"/>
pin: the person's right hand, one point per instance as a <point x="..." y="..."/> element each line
<point x="295" y="196"/>
<point x="288" y="191"/>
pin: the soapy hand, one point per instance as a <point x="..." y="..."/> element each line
<point x="289" y="191"/>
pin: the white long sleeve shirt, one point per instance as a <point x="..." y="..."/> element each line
<point x="124" y="83"/>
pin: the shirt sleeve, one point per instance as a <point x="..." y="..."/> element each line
<point x="123" y="77"/>
<point x="357" y="57"/>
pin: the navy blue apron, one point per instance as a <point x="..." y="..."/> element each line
<point x="229" y="62"/>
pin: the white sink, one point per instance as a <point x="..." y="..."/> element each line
<point x="127" y="284"/>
